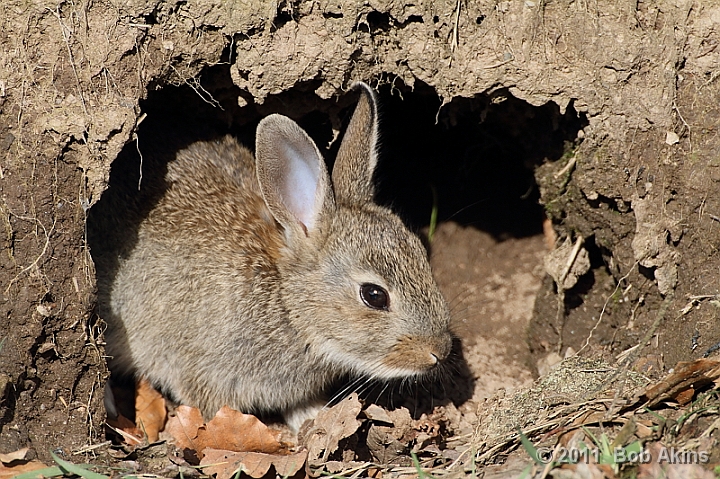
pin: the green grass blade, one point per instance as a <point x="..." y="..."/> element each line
<point x="433" y="215"/>
<point x="38" y="473"/>
<point x="421" y="474"/>
<point x="76" y="469"/>
<point x="530" y="449"/>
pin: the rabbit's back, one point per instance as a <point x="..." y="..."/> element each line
<point x="195" y="306"/>
<point x="213" y="202"/>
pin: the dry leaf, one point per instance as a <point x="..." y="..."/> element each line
<point x="229" y="430"/>
<point x="150" y="411"/>
<point x="376" y="413"/>
<point x="18" y="455"/>
<point x="127" y="430"/>
<point x="7" y="472"/>
<point x="184" y="426"/>
<point x="687" y="375"/>
<point x="330" y="426"/>
<point x="383" y="446"/>
<point x="255" y="464"/>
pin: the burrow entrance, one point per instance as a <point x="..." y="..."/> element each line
<point x="469" y="163"/>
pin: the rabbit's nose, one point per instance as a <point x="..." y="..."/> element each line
<point x="440" y="347"/>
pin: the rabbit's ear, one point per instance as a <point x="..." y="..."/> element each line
<point x="357" y="156"/>
<point x="292" y="174"/>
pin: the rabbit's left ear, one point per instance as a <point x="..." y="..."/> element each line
<point x="292" y="175"/>
<point x="357" y="157"/>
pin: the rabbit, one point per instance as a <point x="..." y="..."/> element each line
<point x="256" y="283"/>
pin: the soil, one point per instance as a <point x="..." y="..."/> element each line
<point x="518" y="122"/>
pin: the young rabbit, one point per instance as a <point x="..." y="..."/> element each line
<point x="257" y="283"/>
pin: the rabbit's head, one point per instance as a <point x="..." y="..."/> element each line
<point x="356" y="282"/>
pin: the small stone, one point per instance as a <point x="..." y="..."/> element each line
<point x="672" y="138"/>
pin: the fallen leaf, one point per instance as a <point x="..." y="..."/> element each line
<point x="386" y="443"/>
<point x="229" y="430"/>
<point x="183" y="426"/>
<point x="376" y="413"/>
<point x="126" y="429"/>
<point x="330" y="426"/>
<point x="686" y="376"/>
<point x="12" y="471"/>
<point x="18" y="455"/>
<point x="255" y="464"/>
<point x="150" y="410"/>
<point x="383" y="446"/>
<point x="684" y="397"/>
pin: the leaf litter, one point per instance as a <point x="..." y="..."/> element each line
<point x="677" y="413"/>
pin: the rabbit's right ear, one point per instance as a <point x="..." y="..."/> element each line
<point x="292" y="175"/>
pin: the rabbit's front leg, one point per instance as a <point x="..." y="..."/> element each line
<point x="297" y="416"/>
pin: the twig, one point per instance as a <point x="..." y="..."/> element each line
<point x="455" y="33"/>
<point x="559" y="325"/>
<point x="675" y="107"/>
<point x="602" y="312"/>
<point x="568" y="167"/>
<point x="42" y="253"/>
<point x="66" y="38"/>
<point x="92" y="447"/>
<point x="570" y="262"/>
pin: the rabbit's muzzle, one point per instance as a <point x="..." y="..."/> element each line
<point x="419" y="354"/>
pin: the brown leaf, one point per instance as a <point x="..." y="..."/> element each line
<point x="229" y="430"/>
<point x="687" y="375"/>
<point x="18" y="455"/>
<point x="150" y="411"/>
<point x="126" y="429"/>
<point x="7" y="472"/>
<point x="255" y="464"/>
<point x="184" y="426"/>
<point x="377" y="414"/>
<point x="330" y="426"/>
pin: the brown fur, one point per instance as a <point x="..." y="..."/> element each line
<point x="241" y="291"/>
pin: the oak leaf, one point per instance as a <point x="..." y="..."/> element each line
<point x="332" y="425"/>
<point x="255" y="464"/>
<point x="150" y="410"/>
<point x="229" y="430"/>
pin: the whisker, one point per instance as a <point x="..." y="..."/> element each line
<point x="363" y="387"/>
<point x="382" y="391"/>
<point x="346" y="391"/>
<point x="464" y="208"/>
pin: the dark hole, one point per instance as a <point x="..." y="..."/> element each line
<point x="475" y="164"/>
<point x="378" y="21"/>
<point x="647" y="272"/>
<point x="480" y="19"/>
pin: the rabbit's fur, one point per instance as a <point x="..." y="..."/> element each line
<point x="244" y="284"/>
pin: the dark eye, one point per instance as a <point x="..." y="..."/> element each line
<point x="374" y="296"/>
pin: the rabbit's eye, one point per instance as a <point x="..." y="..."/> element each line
<point x="374" y="296"/>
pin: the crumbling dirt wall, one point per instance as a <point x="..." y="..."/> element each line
<point x="72" y="75"/>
